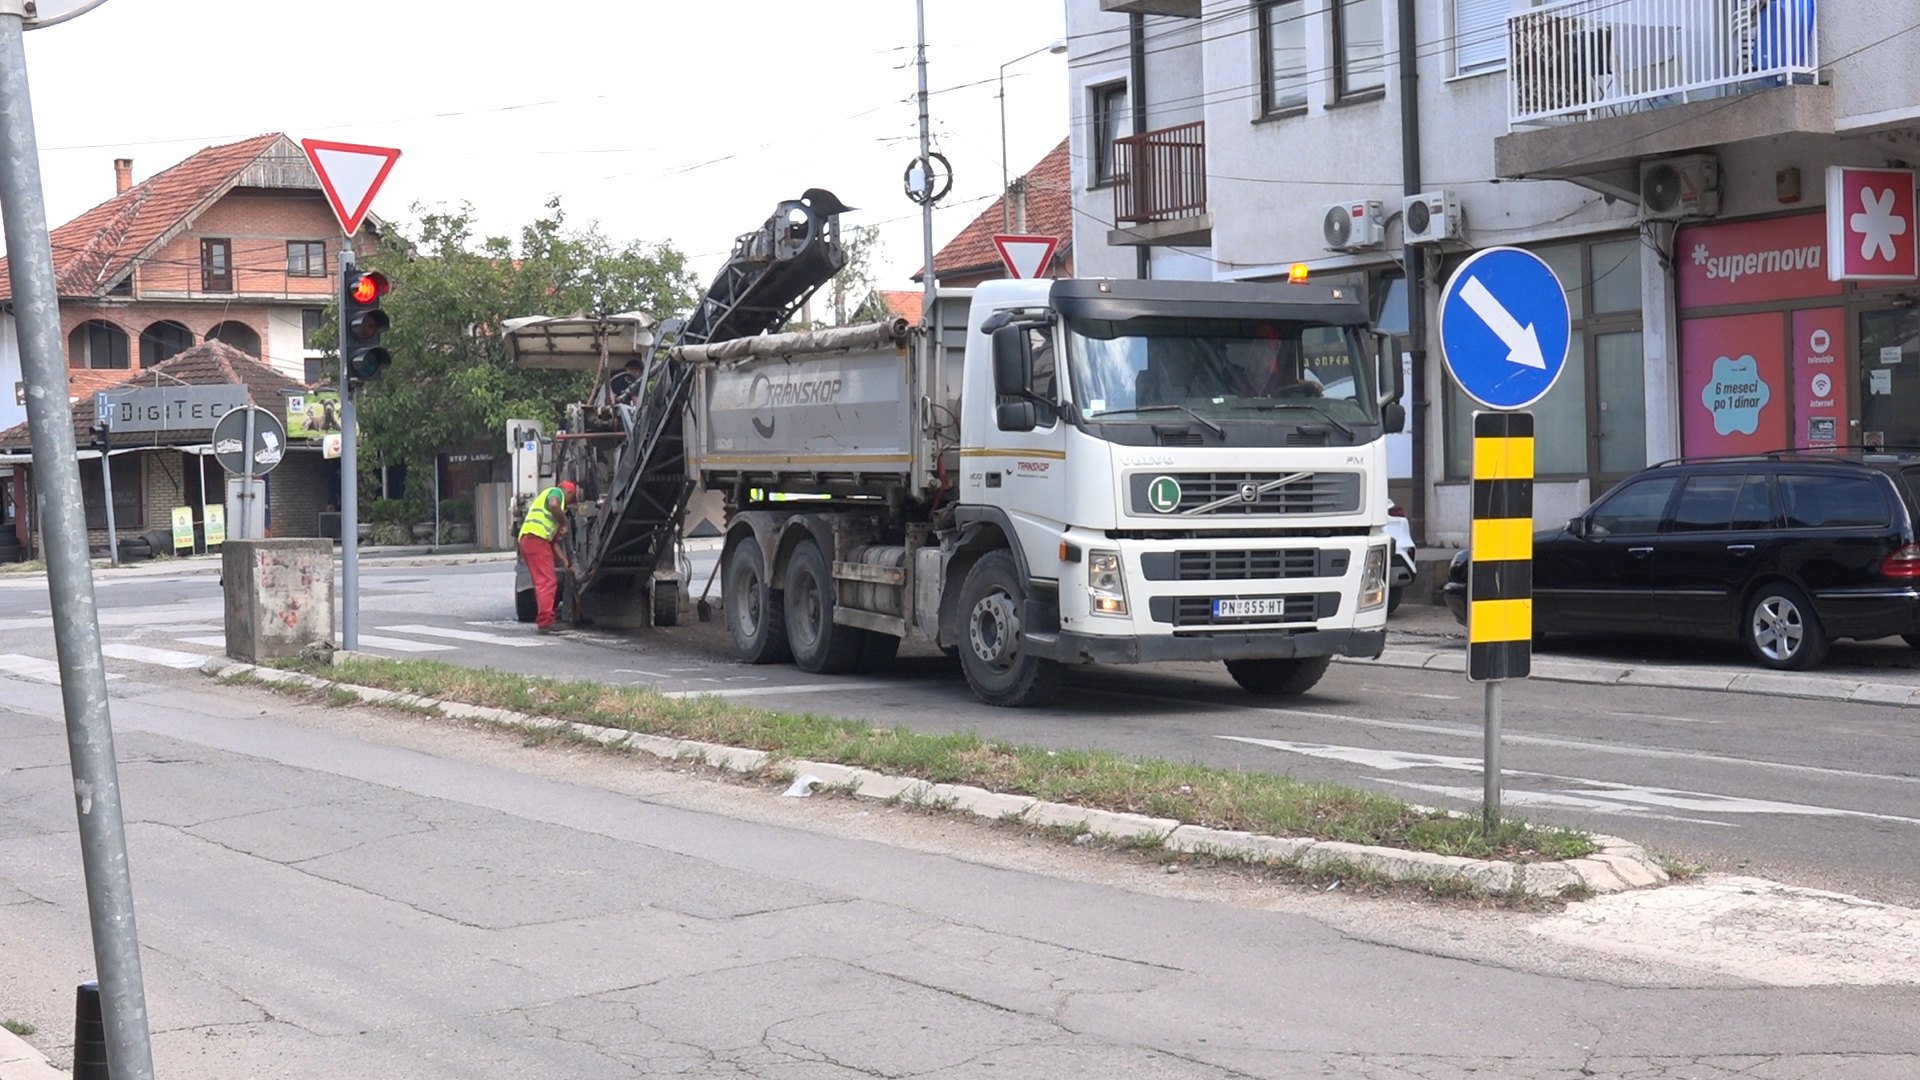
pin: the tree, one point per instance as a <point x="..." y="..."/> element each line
<point x="453" y="385"/>
<point x="853" y="286"/>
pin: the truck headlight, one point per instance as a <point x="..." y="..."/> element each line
<point x="1373" y="580"/>
<point x="1106" y="585"/>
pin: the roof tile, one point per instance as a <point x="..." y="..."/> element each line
<point x="213" y="364"/>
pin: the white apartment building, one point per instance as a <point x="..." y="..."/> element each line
<point x="1669" y="158"/>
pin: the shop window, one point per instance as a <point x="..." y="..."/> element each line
<point x="1360" y="49"/>
<point x="1283" y="56"/>
<point x="1616" y="276"/>
<point x="127" y="494"/>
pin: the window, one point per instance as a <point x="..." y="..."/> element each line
<point x="1754" y="510"/>
<point x="1706" y="503"/>
<point x="216" y="265"/>
<point x="1045" y="369"/>
<point x="1360" y="48"/>
<point x="1283" y="56"/>
<point x="1109" y="115"/>
<point x="1479" y="35"/>
<point x="99" y="344"/>
<point x="162" y="341"/>
<point x="126" y="494"/>
<point x="1832" y="502"/>
<point x="306" y="258"/>
<point x="312" y="323"/>
<point x="1633" y="509"/>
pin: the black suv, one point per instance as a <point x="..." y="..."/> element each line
<point x="1786" y="552"/>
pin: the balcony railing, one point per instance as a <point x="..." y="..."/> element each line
<point x="1160" y="175"/>
<point x="1586" y="59"/>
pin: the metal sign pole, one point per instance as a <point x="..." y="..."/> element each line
<point x="106" y="484"/>
<point x="76" y="622"/>
<point x="930" y="281"/>
<point x="246" y="482"/>
<point x="349" y="482"/>
<point x="1490" y="760"/>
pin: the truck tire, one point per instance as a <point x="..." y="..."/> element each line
<point x="999" y="670"/>
<point x="818" y="645"/>
<point x="666" y="603"/>
<point x="526" y="605"/>
<point x="1281" y="677"/>
<point x="755" y="616"/>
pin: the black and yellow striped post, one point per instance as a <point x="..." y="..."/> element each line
<point x="1500" y="578"/>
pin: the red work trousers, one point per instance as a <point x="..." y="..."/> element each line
<point x="546" y="586"/>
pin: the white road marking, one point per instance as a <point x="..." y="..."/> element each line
<point x="1661" y="716"/>
<point x="218" y="641"/>
<point x="45" y="623"/>
<point x="121" y="650"/>
<point x="34" y="667"/>
<point x="465" y="635"/>
<point x="394" y="644"/>
<point x="803" y="688"/>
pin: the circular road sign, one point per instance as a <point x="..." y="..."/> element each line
<point x="48" y="12"/>
<point x="269" y="441"/>
<point x="1504" y="327"/>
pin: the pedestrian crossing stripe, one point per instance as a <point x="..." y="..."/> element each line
<point x="1500" y="577"/>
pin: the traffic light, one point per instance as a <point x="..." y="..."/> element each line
<point x="366" y="324"/>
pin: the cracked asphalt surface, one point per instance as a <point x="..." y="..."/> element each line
<point x="331" y="892"/>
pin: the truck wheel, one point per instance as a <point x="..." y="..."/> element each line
<point x="755" y="616"/>
<point x="877" y="651"/>
<point x="818" y="645"/>
<point x="1284" y="677"/>
<point x="998" y="669"/>
<point x="1393" y="599"/>
<point x="526" y="605"/>
<point x="666" y="603"/>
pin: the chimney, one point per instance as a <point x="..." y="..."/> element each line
<point x="122" y="174"/>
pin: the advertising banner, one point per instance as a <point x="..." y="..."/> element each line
<point x="1820" y="379"/>
<point x="313" y="415"/>
<point x="183" y="528"/>
<point x="216" y="526"/>
<point x="173" y="408"/>
<point x="1733" y="394"/>
<point x="1870" y="225"/>
<point x="1750" y="262"/>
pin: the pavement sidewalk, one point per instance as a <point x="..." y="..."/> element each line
<point x="20" y="1061"/>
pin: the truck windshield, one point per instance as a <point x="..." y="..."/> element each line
<point x="1220" y="369"/>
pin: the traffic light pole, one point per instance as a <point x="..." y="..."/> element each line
<point x="76" y="621"/>
<point x="349" y="479"/>
<point x="106" y="483"/>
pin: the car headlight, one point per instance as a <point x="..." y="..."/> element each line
<point x="1106" y="585"/>
<point x="1373" y="579"/>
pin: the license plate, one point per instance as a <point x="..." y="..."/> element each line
<point x="1249" y="609"/>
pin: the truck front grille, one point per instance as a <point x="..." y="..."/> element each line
<point x="1315" y="493"/>
<point x="1276" y="563"/>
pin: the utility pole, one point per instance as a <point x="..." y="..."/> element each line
<point x="76" y="623"/>
<point x="349" y="478"/>
<point x="926" y="163"/>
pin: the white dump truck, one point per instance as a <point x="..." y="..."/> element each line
<point x="1042" y="474"/>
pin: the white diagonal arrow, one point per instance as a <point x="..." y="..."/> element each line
<point x="1523" y="345"/>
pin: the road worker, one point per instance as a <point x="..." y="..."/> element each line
<point x="542" y="539"/>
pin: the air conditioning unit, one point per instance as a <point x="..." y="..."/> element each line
<point x="1431" y="217"/>
<point x="1680" y="187"/>
<point x="1359" y="225"/>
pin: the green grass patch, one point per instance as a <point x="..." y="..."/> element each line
<point x="31" y="566"/>
<point x="1190" y="793"/>
<point x="19" y="1027"/>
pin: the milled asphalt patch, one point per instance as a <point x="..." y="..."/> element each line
<point x="1723" y="680"/>
<point x="1619" y="865"/>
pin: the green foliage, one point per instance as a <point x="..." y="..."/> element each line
<point x="456" y="510"/>
<point x="389" y="512"/>
<point x="453" y="386"/>
<point x="851" y="290"/>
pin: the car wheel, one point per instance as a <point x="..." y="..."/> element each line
<point x="1393" y="599"/>
<point x="526" y="605"/>
<point x="755" y="616"/>
<point x="1781" y="630"/>
<point x="1279" y="677"/>
<point x="1000" y="671"/>
<point x="818" y="645"/>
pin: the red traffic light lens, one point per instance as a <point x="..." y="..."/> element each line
<point x="371" y="286"/>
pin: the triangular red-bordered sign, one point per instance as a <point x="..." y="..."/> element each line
<point x="351" y="174"/>
<point x="1026" y="256"/>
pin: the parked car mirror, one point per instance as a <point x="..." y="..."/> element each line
<point x="1577" y="527"/>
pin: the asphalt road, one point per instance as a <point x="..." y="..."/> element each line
<point x="1817" y="793"/>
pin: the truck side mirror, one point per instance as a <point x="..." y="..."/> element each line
<point x="1393" y="417"/>
<point x="1021" y="415"/>
<point x="1393" y="383"/>
<point x="1012" y="365"/>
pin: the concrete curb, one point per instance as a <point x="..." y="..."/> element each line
<point x="20" y="1061"/>
<point x="1618" y="866"/>
<point x="1722" y="680"/>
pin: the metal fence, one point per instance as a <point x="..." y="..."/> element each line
<point x="1160" y="175"/>
<point x="1583" y="59"/>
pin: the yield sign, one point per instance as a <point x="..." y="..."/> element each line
<point x="1026" y="256"/>
<point x="351" y="174"/>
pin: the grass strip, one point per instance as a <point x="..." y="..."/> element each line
<point x="1190" y="793"/>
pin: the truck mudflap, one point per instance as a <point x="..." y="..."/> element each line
<point x="1071" y="648"/>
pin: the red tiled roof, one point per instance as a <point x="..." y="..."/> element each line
<point x="214" y="364"/>
<point x="1049" y="213"/>
<point x="98" y="248"/>
<point x="902" y="304"/>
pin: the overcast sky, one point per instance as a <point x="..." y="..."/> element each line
<point x="662" y="120"/>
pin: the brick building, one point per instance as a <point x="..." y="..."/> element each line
<point x="154" y="472"/>
<point x="234" y="244"/>
<point x="1040" y="203"/>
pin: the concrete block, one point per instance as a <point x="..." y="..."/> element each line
<point x="279" y="597"/>
<point x="1229" y="843"/>
<point x="1634" y="872"/>
<point x="1125" y="826"/>
<point x="1680" y="678"/>
<point x="1879" y="693"/>
<point x="984" y="803"/>
<point x="1597" y="875"/>
<point x="874" y="785"/>
<point x="1546" y="878"/>
<point x="1800" y="686"/>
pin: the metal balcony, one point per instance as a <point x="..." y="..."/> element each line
<point x="1585" y="59"/>
<point x="1160" y="175"/>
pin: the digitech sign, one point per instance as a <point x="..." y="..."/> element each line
<point x="173" y="408"/>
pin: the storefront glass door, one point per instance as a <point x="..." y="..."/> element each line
<point x="1890" y="377"/>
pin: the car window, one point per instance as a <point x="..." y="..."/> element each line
<point x="1706" y="503"/>
<point x="1832" y="502"/>
<point x="1633" y="508"/>
<point x="1754" y="510"/>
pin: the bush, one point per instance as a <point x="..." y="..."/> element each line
<point x="456" y="510"/>
<point x="390" y="512"/>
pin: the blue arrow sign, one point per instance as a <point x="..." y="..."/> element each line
<point x="1504" y="327"/>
